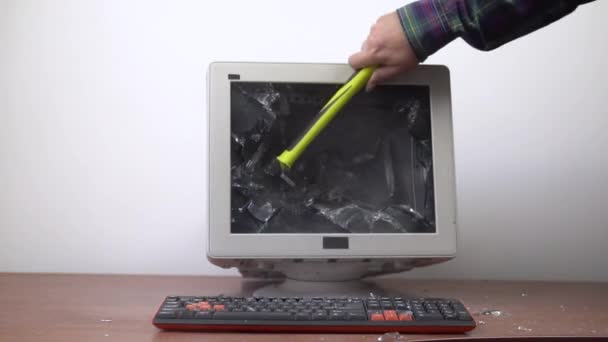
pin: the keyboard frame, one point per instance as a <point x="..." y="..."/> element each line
<point x="313" y="326"/>
<point x="421" y="327"/>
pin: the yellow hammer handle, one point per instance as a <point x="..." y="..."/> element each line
<point x="326" y="114"/>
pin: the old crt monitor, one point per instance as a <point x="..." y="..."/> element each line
<point x="373" y="194"/>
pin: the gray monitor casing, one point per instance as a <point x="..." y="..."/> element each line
<point x="302" y="256"/>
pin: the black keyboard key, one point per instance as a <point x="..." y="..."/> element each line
<point x="337" y="315"/>
<point x="356" y="316"/>
<point x="203" y="315"/>
<point x="428" y="317"/>
<point x="227" y="315"/>
<point x="464" y="316"/>
<point x="373" y="306"/>
<point x="450" y="316"/>
<point x="166" y="314"/>
<point x="401" y="306"/>
<point x="352" y="306"/>
<point x="184" y="314"/>
<point x="319" y="316"/>
<point x="458" y="307"/>
<point x="429" y="306"/>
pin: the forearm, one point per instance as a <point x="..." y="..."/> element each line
<point x="484" y="24"/>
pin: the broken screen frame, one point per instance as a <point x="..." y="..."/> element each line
<point x="224" y="243"/>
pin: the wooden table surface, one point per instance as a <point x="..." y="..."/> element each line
<point x="61" y="307"/>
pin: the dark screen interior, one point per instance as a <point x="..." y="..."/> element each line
<point x="369" y="171"/>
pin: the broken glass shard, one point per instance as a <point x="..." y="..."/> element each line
<point x="261" y="211"/>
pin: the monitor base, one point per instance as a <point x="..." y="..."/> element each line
<point x="302" y="288"/>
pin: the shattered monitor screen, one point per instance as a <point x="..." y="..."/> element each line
<point x="369" y="171"/>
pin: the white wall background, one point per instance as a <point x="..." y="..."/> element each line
<point x="102" y="133"/>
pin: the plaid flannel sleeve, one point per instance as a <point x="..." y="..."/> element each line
<point x="484" y="24"/>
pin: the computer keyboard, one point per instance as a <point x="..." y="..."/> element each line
<point x="316" y="314"/>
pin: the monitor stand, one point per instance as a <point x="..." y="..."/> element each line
<point x="317" y="279"/>
<point x="302" y="288"/>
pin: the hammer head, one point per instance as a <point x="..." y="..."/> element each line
<point x="275" y="168"/>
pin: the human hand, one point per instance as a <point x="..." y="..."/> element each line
<point x="387" y="47"/>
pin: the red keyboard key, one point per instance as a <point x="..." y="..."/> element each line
<point x="390" y="315"/>
<point x="377" y="317"/>
<point x="406" y="316"/>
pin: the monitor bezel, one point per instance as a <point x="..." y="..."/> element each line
<point x="221" y="243"/>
